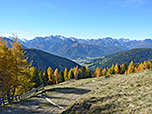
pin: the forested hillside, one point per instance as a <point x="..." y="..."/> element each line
<point x="135" y="55"/>
<point x="43" y="60"/>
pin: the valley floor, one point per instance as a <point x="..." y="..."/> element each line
<point x="118" y="94"/>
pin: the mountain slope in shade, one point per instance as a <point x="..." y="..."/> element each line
<point x="136" y="55"/>
<point x="43" y="59"/>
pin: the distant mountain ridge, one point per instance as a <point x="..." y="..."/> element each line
<point x="68" y="47"/>
<point x="74" y="48"/>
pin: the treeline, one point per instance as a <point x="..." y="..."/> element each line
<point x="123" y="69"/>
<point x="50" y="77"/>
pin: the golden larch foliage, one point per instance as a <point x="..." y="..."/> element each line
<point x="117" y="69"/>
<point x="56" y="75"/>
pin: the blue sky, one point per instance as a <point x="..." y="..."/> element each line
<point x="77" y="18"/>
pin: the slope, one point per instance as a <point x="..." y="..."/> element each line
<point x="43" y="59"/>
<point x="118" y="94"/>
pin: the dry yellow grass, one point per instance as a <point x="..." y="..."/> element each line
<point x="119" y="94"/>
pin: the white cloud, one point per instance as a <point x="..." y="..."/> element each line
<point x="5" y="35"/>
<point x="50" y="6"/>
<point x="19" y="34"/>
<point x="136" y="3"/>
<point x="127" y="3"/>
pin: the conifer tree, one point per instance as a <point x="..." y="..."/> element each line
<point x="122" y="70"/>
<point x="61" y="78"/>
<point x="50" y="76"/>
<point x="148" y="64"/>
<point x="136" y="68"/>
<point x="71" y="75"/>
<point x="75" y="71"/>
<point x="120" y="67"/>
<point x="125" y="65"/>
<point x="45" y="77"/>
<point x="15" y="77"/>
<point x="56" y="75"/>
<point x="40" y="76"/>
<point x="131" y="68"/>
<point x="117" y="69"/>
<point x="113" y="67"/>
<point x="97" y="72"/>
<point x="82" y="73"/>
<point x="111" y="70"/>
<point x="36" y="80"/>
<point x="5" y="74"/>
<point x="89" y="74"/>
<point x="104" y="72"/>
<point x="66" y="74"/>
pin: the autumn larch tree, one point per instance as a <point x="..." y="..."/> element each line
<point x="66" y="74"/>
<point x="117" y="71"/>
<point x="75" y="71"/>
<point x="97" y="72"/>
<point x="131" y="68"/>
<point x="69" y="74"/>
<point x="15" y="77"/>
<point x="50" y="76"/>
<point x="104" y="72"/>
<point x="56" y="75"/>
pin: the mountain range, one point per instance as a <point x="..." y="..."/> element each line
<point x="74" y="48"/>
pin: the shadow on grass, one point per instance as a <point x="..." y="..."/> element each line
<point x="87" y="105"/>
<point x="52" y="97"/>
<point x="19" y="108"/>
<point x="69" y="90"/>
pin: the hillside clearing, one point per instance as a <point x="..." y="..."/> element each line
<point x="117" y="94"/>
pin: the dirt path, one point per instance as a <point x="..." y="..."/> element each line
<point x="62" y="94"/>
